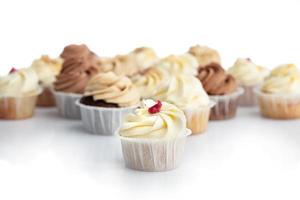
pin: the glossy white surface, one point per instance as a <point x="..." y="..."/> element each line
<point x="249" y="157"/>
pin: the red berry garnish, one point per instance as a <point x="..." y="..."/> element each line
<point x="249" y="59"/>
<point x="155" y="108"/>
<point x="13" y="70"/>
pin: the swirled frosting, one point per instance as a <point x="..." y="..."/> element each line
<point x="112" y="88"/>
<point x="79" y="65"/>
<point x="144" y="57"/>
<point x="21" y="83"/>
<point x="184" y="91"/>
<point x="47" y="69"/>
<point x="205" y="55"/>
<point x="285" y="79"/>
<point x="152" y="82"/>
<point x="181" y="64"/>
<point x="170" y="122"/>
<point x="247" y="73"/>
<point x="215" y="80"/>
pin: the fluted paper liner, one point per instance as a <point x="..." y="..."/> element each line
<point x="153" y="154"/>
<point x="278" y="106"/>
<point x="248" y="98"/>
<point x="14" y="108"/>
<point x="197" y="118"/>
<point x="66" y="104"/>
<point x="46" y="98"/>
<point x="102" y="121"/>
<point x="226" y="105"/>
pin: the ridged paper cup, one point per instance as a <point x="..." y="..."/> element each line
<point x="15" y="108"/>
<point x="248" y="98"/>
<point x="46" y="98"/>
<point x="197" y="118"/>
<point x="102" y="121"/>
<point x="277" y="106"/>
<point x="226" y="105"/>
<point x="66" y="104"/>
<point x="153" y="154"/>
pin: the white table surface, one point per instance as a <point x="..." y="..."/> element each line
<point x="249" y="157"/>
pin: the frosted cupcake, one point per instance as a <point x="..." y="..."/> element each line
<point x="144" y="57"/>
<point x="187" y="93"/>
<point x="47" y="69"/>
<point x="205" y="55"/>
<point x="153" y="137"/>
<point x="279" y="95"/>
<point x="248" y="75"/>
<point x="222" y="89"/>
<point x="107" y="98"/>
<point x="79" y="66"/>
<point x="18" y="94"/>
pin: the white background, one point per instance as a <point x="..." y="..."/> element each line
<point x="246" y="158"/>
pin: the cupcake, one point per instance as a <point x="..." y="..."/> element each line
<point x="248" y="76"/>
<point x="153" y="137"/>
<point x="279" y="95"/>
<point x="179" y="64"/>
<point x="18" y="94"/>
<point x="187" y="93"/>
<point x="47" y="69"/>
<point x="79" y="65"/>
<point x="205" y="55"/>
<point x="222" y="89"/>
<point x="130" y="64"/>
<point x="107" y="98"/>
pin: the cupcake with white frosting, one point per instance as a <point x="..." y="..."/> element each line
<point x="107" y="98"/>
<point x="153" y="137"/>
<point x="18" y="94"/>
<point x="47" y="69"/>
<point x="279" y="95"/>
<point x="248" y="76"/>
<point x="205" y="55"/>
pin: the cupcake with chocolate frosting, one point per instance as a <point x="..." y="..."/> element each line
<point x="106" y="99"/>
<point x="79" y="66"/>
<point x="222" y="89"/>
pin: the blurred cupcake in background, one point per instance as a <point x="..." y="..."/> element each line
<point x="79" y="66"/>
<point x="222" y="89"/>
<point x="18" y="94"/>
<point x="187" y="93"/>
<point x="47" y="69"/>
<point x="205" y="55"/>
<point x="248" y="75"/>
<point x="107" y="98"/>
<point x="153" y="137"/>
<point x="129" y="64"/>
<point x="279" y="95"/>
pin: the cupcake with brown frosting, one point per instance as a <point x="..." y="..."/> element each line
<point x="222" y="88"/>
<point x="107" y="98"/>
<point x="79" y="66"/>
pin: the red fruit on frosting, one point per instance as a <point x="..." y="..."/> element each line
<point x="13" y="70"/>
<point x="155" y="108"/>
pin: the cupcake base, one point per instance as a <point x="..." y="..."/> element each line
<point x="89" y="101"/>
<point x="102" y="120"/>
<point x="248" y="98"/>
<point x="278" y="106"/>
<point x="17" y="108"/>
<point x="197" y="119"/>
<point x="153" y="155"/>
<point x="46" y="98"/>
<point x="66" y="104"/>
<point x="226" y="105"/>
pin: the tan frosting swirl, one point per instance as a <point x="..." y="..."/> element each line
<point x="79" y="65"/>
<point x="205" y="55"/>
<point x="112" y="88"/>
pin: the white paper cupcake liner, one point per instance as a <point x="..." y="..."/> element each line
<point x="153" y="154"/>
<point x="226" y="105"/>
<point x="66" y="104"/>
<point x="278" y="106"/>
<point x="102" y="121"/>
<point x="248" y="98"/>
<point x="197" y="118"/>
